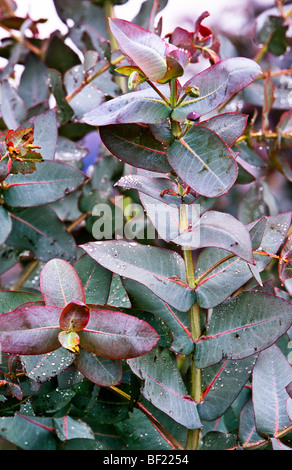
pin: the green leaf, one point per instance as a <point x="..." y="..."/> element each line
<point x="95" y="279"/>
<point x="243" y="326"/>
<point x="68" y="428"/>
<point x="222" y="383"/>
<point x="247" y="432"/>
<point x="29" y="432"/>
<point x="10" y="300"/>
<point x="60" y="284"/>
<point x="64" y="110"/>
<point x="41" y="231"/>
<point x="135" y="261"/>
<point x="34" y="83"/>
<point x="202" y="160"/>
<point x="45" y="132"/>
<point x="42" y="368"/>
<point x="178" y="322"/>
<point x="50" y="182"/>
<point x="139" y="433"/>
<point x="215" y="440"/>
<point x="135" y="145"/>
<point x="271" y="375"/>
<point x="5" y="224"/>
<point x="164" y="387"/>
<point x="13" y="109"/>
<point x="99" y="370"/>
<point x="79" y="443"/>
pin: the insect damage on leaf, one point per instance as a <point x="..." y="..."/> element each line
<point x="19" y="150"/>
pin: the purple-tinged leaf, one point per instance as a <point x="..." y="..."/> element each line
<point x="161" y="270"/>
<point x="135" y="145"/>
<point x="202" y="160"/>
<point x="50" y="182"/>
<point x="30" y="330"/>
<point x="146" y="49"/>
<point x="216" y="85"/>
<point x="116" y="335"/>
<point x="271" y="375"/>
<point x="243" y="326"/>
<point x="164" y="387"/>
<point x="229" y="126"/>
<point x="74" y="316"/>
<point x="5" y="224"/>
<point x="138" y="106"/>
<point x="99" y="370"/>
<point x="60" y="284"/>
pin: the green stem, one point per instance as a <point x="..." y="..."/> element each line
<point x="109" y="12"/>
<point x="159" y="92"/>
<point x="196" y="376"/>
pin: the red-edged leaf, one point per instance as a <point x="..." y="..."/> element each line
<point x="117" y="335"/>
<point x="243" y="326"/>
<point x="216" y="84"/>
<point x="271" y="375"/>
<point x="30" y="330"/>
<point x="74" y="317"/>
<point x="60" y="284"/>
<point x="146" y="49"/>
<point x="166" y="277"/>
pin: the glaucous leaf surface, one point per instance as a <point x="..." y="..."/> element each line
<point x="202" y="160"/>
<point x="135" y="144"/>
<point x="142" y="106"/>
<point x="5" y="224"/>
<point x="162" y="271"/>
<point x="39" y="230"/>
<point x="164" y="387"/>
<point x="50" y="182"/>
<point x="271" y="375"/>
<point x="243" y="326"/>
<point x="99" y="370"/>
